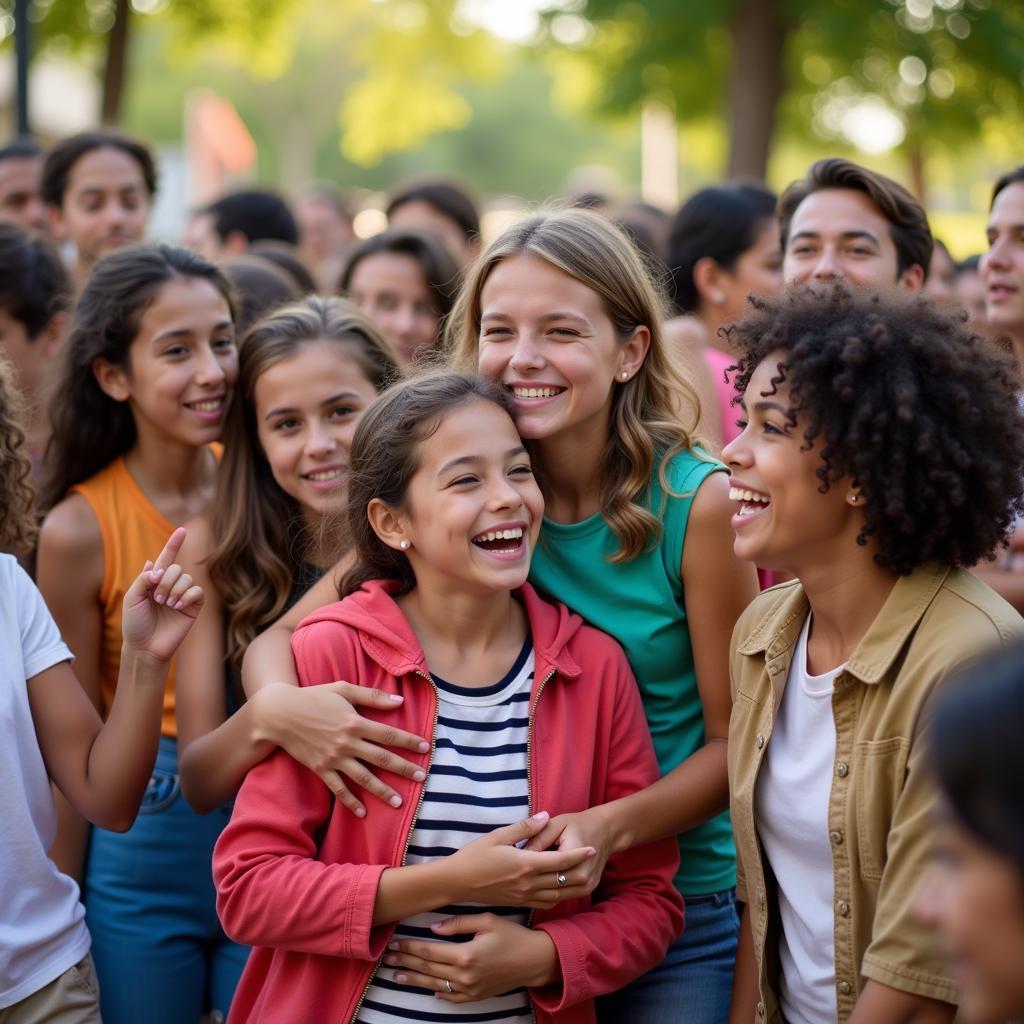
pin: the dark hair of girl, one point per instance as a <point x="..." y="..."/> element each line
<point x="259" y="529"/>
<point x="89" y="428"/>
<point x="976" y="750"/>
<point x="716" y="223"/>
<point x="385" y="456"/>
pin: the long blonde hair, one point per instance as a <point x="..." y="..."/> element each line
<point x="655" y="412"/>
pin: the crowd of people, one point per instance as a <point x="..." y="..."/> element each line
<point x="618" y="619"/>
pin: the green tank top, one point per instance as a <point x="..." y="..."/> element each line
<point x="641" y="604"/>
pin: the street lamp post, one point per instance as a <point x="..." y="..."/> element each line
<point x="21" y="47"/>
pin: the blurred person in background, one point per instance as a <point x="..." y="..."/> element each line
<point x="231" y="224"/>
<point x="441" y="208"/>
<point x="288" y="259"/>
<point x="648" y="226"/>
<point x="21" y="202"/>
<point x="406" y="282"/>
<point x="259" y="287"/>
<point x="35" y="303"/>
<point x="325" y="232"/>
<point x="974" y="891"/>
<point x="940" y="285"/>
<point x="844" y="221"/>
<point x="99" y="188"/>
<point x="722" y="247"/>
<point x="970" y="293"/>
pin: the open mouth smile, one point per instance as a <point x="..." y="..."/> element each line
<point x="506" y="543"/>
<point x="751" y="502"/>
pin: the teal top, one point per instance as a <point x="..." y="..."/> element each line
<point x="641" y="604"/>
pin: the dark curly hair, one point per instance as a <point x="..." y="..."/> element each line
<point x="918" y="412"/>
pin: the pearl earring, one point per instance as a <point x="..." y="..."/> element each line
<point x="853" y="499"/>
<point x="404" y="545"/>
<point x="624" y="375"/>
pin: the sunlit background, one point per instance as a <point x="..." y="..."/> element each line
<point x="531" y="99"/>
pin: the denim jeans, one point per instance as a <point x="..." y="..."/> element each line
<point x="159" y="950"/>
<point x="693" y="984"/>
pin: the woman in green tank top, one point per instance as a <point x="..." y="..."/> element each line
<point x="636" y="538"/>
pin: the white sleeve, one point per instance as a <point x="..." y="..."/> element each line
<point x="41" y="643"/>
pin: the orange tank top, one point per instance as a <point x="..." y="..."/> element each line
<point x="132" y="531"/>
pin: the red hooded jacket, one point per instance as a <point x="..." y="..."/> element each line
<point x="297" y="873"/>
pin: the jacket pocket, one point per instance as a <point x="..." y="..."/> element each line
<point x="880" y="770"/>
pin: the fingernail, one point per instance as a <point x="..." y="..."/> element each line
<point x="424" y="746"/>
<point x="541" y="816"/>
<point x="159" y="598"/>
<point x="147" y="566"/>
<point x="360" y="812"/>
<point x="403" y="978"/>
<point x="177" y="605"/>
<point x="437" y="926"/>
<point x="395" y="801"/>
<point x="155" y="574"/>
<point x="393" y="946"/>
<point x="396" y="697"/>
<point x="419" y="775"/>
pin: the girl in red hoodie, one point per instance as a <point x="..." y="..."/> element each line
<point x="530" y="713"/>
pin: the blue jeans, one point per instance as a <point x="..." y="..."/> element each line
<point x="159" y="950"/>
<point x="693" y="984"/>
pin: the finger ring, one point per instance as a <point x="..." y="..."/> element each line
<point x="561" y="880"/>
<point x="448" y="988"/>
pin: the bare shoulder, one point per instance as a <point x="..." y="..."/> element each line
<point x="71" y="530"/>
<point x="711" y="505"/>
<point x="687" y="332"/>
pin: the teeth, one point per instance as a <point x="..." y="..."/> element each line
<point x="515" y="533"/>
<point x="535" y="392"/>
<point x="211" y="406"/>
<point x="325" y="474"/>
<point x="738" y="494"/>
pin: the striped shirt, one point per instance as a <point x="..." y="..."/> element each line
<point x="477" y="783"/>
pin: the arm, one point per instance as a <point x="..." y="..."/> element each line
<point x="324" y="731"/>
<point x="720" y="587"/>
<point x="103" y="768"/>
<point x="69" y="573"/>
<point x="744" y="979"/>
<point x="880" y="1004"/>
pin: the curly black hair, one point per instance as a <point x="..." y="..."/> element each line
<point x="918" y="412"/>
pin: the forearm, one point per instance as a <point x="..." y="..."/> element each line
<point x="72" y="842"/>
<point x="687" y="796"/>
<point x="415" y="889"/>
<point x="213" y="766"/>
<point x="121" y="756"/>
<point x="880" y="1004"/>
<point x="744" y="978"/>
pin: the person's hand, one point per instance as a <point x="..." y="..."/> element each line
<point x="501" y="956"/>
<point x="321" y="729"/>
<point x="582" y="829"/>
<point x="161" y="605"/>
<point x="492" y="869"/>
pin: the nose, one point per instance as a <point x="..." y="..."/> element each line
<point x="36" y="215"/>
<point x="525" y="353"/>
<point x="503" y="494"/>
<point x="995" y="257"/>
<point x="320" y="441"/>
<point x="825" y="268"/>
<point x="209" y="370"/>
<point x="736" y="453"/>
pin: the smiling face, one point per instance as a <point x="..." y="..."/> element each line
<point x="391" y="289"/>
<point x="473" y="508"/>
<point x="307" y="407"/>
<point x="783" y="521"/>
<point x="106" y="204"/>
<point x="547" y="338"/>
<point x="974" y="898"/>
<point x="839" y="233"/>
<point x="1002" y="267"/>
<point x="181" y="365"/>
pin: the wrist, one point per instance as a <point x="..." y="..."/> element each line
<point x="142" y="665"/>
<point x="262" y="716"/>
<point x="545" y="966"/>
<point x="614" y="823"/>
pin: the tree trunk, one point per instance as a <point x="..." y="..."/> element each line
<point x="918" y="183"/>
<point x="117" y="59"/>
<point x="759" y="30"/>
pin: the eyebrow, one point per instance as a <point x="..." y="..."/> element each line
<point x="558" y="315"/>
<point x="294" y="408"/>
<point x="185" y="332"/>
<point x="765" y="406"/>
<point x="845" y="236"/>
<point x="467" y="460"/>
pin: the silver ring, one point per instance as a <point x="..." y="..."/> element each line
<point x="561" y="880"/>
<point x="448" y="988"/>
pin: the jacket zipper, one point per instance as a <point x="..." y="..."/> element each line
<point x="529" y="788"/>
<point x="412" y="827"/>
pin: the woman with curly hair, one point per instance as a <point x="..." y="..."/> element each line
<point x="880" y="459"/>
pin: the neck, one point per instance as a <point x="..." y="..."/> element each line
<point x="571" y="465"/>
<point x="845" y="600"/>
<point x="320" y="549"/>
<point x="461" y="623"/>
<point x="712" y="318"/>
<point x="177" y="478"/>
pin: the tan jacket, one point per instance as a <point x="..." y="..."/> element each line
<point x="881" y="798"/>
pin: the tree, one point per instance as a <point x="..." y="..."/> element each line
<point x="820" y="68"/>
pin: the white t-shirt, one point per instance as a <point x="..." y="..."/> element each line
<point x="791" y="813"/>
<point x="42" y="922"/>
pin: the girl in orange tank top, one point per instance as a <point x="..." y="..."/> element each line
<point x="146" y="378"/>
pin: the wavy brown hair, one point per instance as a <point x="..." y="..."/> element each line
<point x="654" y="413"/>
<point x="17" y="498"/>
<point x="259" y="530"/>
<point x="385" y="456"/>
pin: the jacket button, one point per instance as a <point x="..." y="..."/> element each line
<point x="760" y="1009"/>
<point x="760" y="743"/>
<point x="761" y="900"/>
<point x="835" y="838"/>
<point x="843" y="908"/>
<point x="845" y="988"/>
<point x="842" y="769"/>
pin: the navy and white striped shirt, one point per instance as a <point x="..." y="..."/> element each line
<point x="477" y="783"/>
